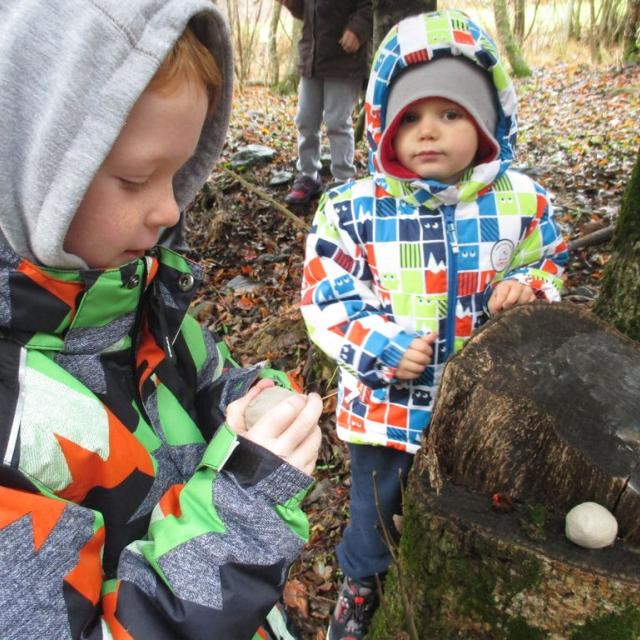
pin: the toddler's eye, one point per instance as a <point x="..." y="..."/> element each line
<point x="409" y="117"/>
<point x="452" y="114"/>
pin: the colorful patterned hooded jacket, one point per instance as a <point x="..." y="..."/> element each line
<point x="128" y="509"/>
<point x="389" y="259"/>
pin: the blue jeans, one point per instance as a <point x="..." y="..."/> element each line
<point x="363" y="552"/>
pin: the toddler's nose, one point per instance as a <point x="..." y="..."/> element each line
<point x="428" y="127"/>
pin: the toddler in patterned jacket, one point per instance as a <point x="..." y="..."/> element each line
<point x="403" y="265"/>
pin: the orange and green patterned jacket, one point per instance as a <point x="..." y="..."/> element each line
<point x="128" y="509"/>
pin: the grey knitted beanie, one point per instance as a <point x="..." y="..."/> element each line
<point x="455" y="78"/>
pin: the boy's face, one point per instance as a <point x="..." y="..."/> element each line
<point x="436" y="139"/>
<point x="131" y="199"/>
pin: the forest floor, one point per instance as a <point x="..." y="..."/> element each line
<point x="579" y="137"/>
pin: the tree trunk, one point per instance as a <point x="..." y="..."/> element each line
<point x="290" y="82"/>
<point x="518" y="64"/>
<point x="387" y="12"/>
<point x="631" y="38"/>
<point x="527" y="425"/>
<point x="471" y="573"/>
<point x="619" y="299"/>
<point x="518" y="20"/>
<point x="575" y="28"/>
<point x="594" y="44"/>
<point x="274" y="61"/>
<point x="611" y="23"/>
<point x="244" y="29"/>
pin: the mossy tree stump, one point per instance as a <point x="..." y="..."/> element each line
<point x="539" y="412"/>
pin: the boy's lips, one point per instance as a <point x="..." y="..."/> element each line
<point x="136" y="253"/>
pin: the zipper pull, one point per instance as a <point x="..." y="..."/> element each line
<point x="451" y="231"/>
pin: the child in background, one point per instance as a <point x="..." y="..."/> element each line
<point x="129" y="506"/>
<point x="403" y="265"/>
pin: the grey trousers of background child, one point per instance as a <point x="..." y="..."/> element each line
<point x="331" y="100"/>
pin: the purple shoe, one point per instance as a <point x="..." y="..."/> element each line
<point x="304" y="189"/>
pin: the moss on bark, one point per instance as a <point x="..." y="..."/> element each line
<point x="619" y="299"/>
<point x="517" y="61"/>
<point x="464" y="581"/>
<point x="624" y="625"/>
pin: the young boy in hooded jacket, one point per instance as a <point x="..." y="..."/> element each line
<point x="129" y="506"/>
<point x="403" y="265"/>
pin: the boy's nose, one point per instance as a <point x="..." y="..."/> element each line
<point x="166" y="213"/>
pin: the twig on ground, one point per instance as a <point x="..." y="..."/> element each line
<point x="596" y="237"/>
<point x="267" y="198"/>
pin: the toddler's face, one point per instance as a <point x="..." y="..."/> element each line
<point x="436" y="139"/>
<point x="131" y="199"/>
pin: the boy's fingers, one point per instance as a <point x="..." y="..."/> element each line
<point x="301" y="427"/>
<point x="304" y="457"/>
<point x="278" y="419"/>
<point x="235" y="410"/>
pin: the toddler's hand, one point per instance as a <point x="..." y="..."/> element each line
<point x="290" y="429"/>
<point x="349" y="41"/>
<point x="509" y="293"/>
<point x="416" y="357"/>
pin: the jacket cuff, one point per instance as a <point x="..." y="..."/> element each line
<point x="392" y="354"/>
<point x="223" y="443"/>
<point x="254" y="466"/>
<point x="272" y="476"/>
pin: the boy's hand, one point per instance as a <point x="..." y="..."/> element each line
<point x="509" y="293"/>
<point x="290" y="429"/>
<point x="349" y="41"/>
<point x="416" y="357"/>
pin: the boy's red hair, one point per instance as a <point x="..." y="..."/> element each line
<point x="189" y="60"/>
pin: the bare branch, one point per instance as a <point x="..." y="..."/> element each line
<point x="267" y="198"/>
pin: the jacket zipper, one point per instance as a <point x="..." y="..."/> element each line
<point x="452" y="277"/>
<point x="157" y="304"/>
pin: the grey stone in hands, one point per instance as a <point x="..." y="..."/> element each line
<point x="266" y="400"/>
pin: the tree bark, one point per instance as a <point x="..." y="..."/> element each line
<point x="472" y="573"/>
<point x="528" y="423"/>
<point x="612" y="16"/>
<point x="387" y="12"/>
<point x="290" y="82"/>
<point x="274" y="61"/>
<point x="619" y="299"/>
<point x="631" y="38"/>
<point x="518" y="20"/>
<point x="518" y="64"/>
<point x="594" y="43"/>
<point x="575" y="27"/>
